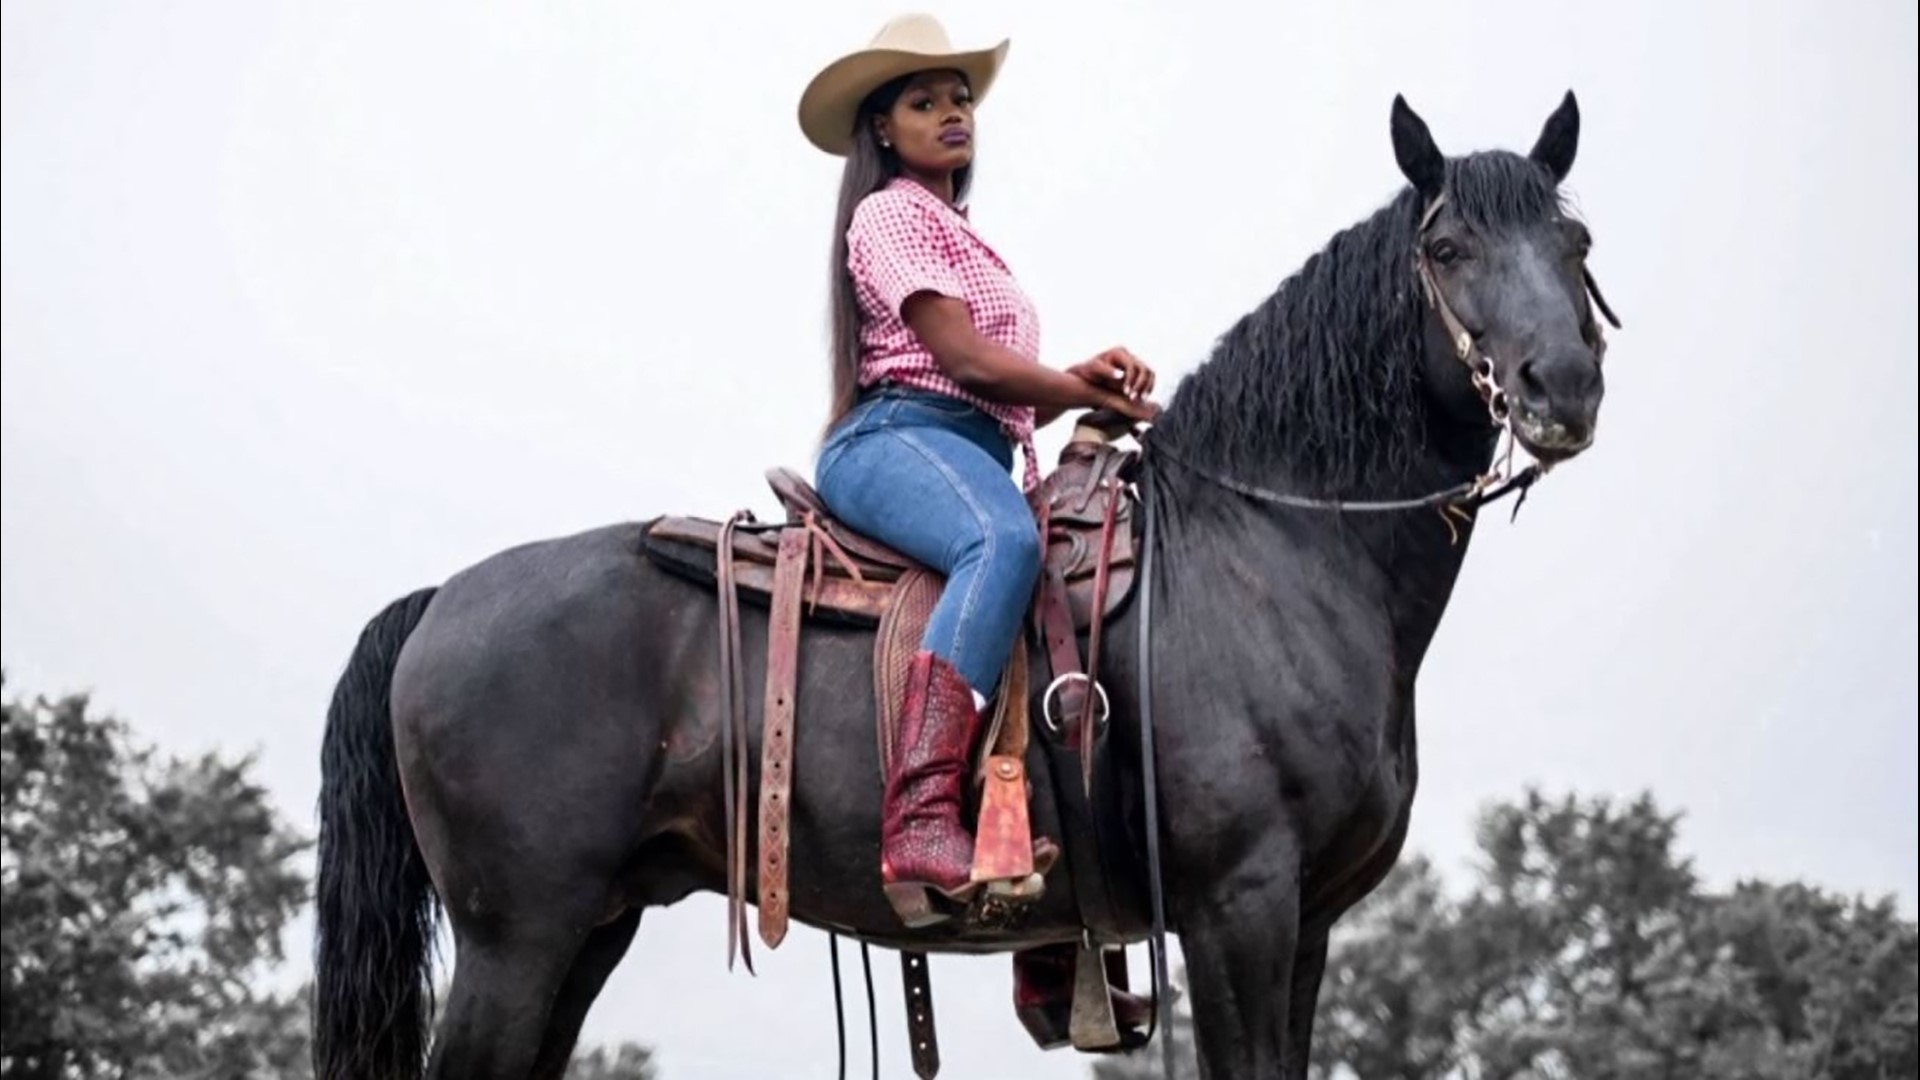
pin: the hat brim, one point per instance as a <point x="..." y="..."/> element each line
<point x="831" y="102"/>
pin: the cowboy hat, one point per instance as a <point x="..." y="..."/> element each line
<point x="911" y="43"/>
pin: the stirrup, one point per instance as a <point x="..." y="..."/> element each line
<point x="913" y="901"/>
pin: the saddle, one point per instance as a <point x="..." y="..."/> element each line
<point x="810" y="568"/>
<point x="855" y="580"/>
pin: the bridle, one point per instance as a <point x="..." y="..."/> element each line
<point x="1466" y="347"/>
<point x="1459" y="501"/>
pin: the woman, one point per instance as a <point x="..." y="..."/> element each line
<point x="936" y="382"/>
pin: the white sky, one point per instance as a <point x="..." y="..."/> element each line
<point x="307" y="305"/>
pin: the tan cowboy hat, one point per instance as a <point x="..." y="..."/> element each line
<point x="911" y="43"/>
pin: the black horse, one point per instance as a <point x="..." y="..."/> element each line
<point x="531" y="743"/>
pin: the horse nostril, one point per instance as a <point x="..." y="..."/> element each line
<point x="1528" y="376"/>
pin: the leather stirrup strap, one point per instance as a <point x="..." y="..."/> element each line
<point x="922" y="1040"/>
<point x="776" y="748"/>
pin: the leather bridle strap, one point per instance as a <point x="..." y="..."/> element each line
<point x="1599" y="301"/>
<point x="1150" y="786"/>
<point x="1469" y="495"/>
<point x="1479" y="365"/>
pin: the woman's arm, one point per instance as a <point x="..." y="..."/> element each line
<point x="993" y="372"/>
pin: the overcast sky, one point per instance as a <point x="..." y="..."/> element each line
<point x="307" y="305"/>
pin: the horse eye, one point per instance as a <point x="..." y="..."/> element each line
<point x="1444" y="252"/>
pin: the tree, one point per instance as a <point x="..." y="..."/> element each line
<point x="1399" y="973"/>
<point x="141" y="899"/>
<point x="1586" y="948"/>
<point x="628" y="1061"/>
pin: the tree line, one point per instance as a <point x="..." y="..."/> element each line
<point x="1586" y="947"/>
<point x="144" y="897"/>
<point x="143" y="901"/>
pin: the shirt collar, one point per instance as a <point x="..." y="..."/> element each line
<point x="920" y="191"/>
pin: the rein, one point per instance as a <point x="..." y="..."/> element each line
<point x="1471" y="494"/>
<point x="1150" y="789"/>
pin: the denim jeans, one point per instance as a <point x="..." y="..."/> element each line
<point x="930" y="476"/>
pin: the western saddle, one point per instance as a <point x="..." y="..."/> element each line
<point x="811" y="567"/>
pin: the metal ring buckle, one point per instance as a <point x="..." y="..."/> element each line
<point x="1046" y="701"/>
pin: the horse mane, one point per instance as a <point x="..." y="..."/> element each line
<point x="1323" y="380"/>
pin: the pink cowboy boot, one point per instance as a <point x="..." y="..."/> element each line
<point x="923" y="845"/>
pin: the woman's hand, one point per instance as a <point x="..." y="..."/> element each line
<point x="1119" y="370"/>
<point x="1122" y="382"/>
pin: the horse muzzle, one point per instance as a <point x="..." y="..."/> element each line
<point x="1555" y="403"/>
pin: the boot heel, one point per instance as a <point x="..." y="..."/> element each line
<point x="914" y="904"/>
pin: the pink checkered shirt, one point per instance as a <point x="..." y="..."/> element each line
<point x="905" y="239"/>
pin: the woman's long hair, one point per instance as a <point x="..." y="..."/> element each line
<point x="869" y="168"/>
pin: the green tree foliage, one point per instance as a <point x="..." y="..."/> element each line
<point x="141" y="901"/>
<point x="142" y="904"/>
<point x="1586" y="949"/>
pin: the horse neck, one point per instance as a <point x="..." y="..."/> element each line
<point x="1399" y="566"/>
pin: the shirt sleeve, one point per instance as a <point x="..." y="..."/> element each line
<point x="897" y="249"/>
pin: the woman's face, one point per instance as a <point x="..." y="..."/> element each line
<point x="931" y="124"/>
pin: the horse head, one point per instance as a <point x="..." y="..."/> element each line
<point x="1502" y="264"/>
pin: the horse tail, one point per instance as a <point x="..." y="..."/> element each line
<point x="372" y="996"/>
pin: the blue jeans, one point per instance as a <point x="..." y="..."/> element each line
<point x="930" y="476"/>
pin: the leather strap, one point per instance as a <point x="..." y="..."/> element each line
<point x="1053" y="620"/>
<point x="1072" y="751"/>
<point x="1150" y="784"/>
<point x="776" y="748"/>
<point x="1101" y="580"/>
<point x="922" y="1039"/>
<point x="733" y="746"/>
<point x="1055" y="628"/>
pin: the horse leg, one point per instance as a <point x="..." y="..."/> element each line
<point x="504" y="986"/>
<point x="1323" y="909"/>
<point x="1239" y="935"/>
<point x="1309" y="964"/>
<point x="597" y="958"/>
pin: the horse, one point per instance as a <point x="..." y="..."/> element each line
<point x="528" y="747"/>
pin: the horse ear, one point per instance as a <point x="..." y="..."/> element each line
<point x="1559" y="139"/>
<point x="1420" y="160"/>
